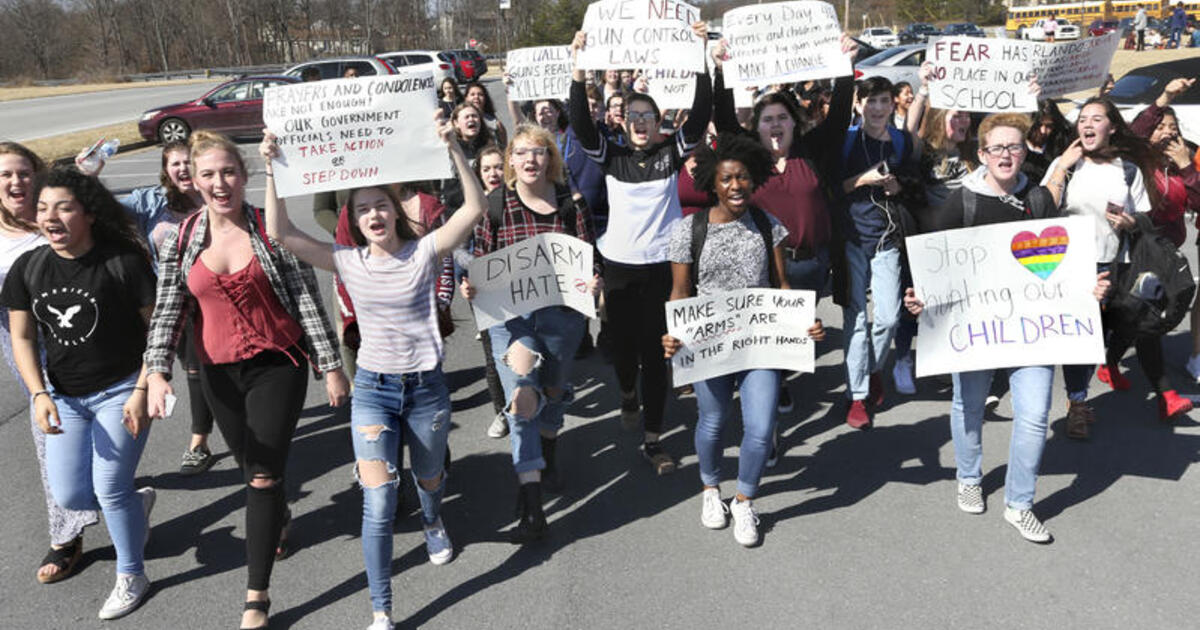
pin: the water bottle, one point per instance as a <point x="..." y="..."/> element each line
<point x="96" y="159"/>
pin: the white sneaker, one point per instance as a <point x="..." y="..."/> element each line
<point x="902" y="375"/>
<point x="438" y="544"/>
<point x="745" y="522"/>
<point x="1030" y="527"/>
<point x="381" y="623"/>
<point x="149" y="496"/>
<point x="1193" y="367"/>
<point x="970" y="498"/>
<point x="991" y="402"/>
<point x="713" y="509"/>
<point x="499" y="426"/>
<point x="127" y="594"/>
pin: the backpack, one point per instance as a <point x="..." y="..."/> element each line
<point x="1153" y="293"/>
<point x="700" y="233"/>
<point x="897" y="136"/>
<point x="567" y="213"/>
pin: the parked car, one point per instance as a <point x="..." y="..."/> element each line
<point x="1140" y="86"/>
<point x="437" y="63"/>
<point x="1098" y="27"/>
<point x="865" y="50"/>
<point x="879" y="37"/>
<point x="233" y="108"/>
<point x="964" y="29"/>
<point x="896" y="64"/>
<point x="1064" y="31"/>
<point x="918" y="33"/>
<point x="464" y="68"/>
<point x="335" y="68"/>
<point x="476" y="58"/>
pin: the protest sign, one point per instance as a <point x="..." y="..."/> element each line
<point x="537" y="73"/>
<point x="747" y="329"/>
<point x="550" y="269"/>
<point x="644" y="34"/>
<point x="345" y="133"/>
<point x="992" y="75"/>
<point x="783" y="42"/>
<point x="1007" y="295"/>
<point x="671" y="89"/>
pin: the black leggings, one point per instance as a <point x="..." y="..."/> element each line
<point x="1149" y="354"/>
<point x="495" y="388"/>
<point x="635" y="296"/>
<point x="202" y="419"/>
<point x="257" y="403"/>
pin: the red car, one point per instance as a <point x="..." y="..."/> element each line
<point x="464" y="65"/>
<point x="233" y="108"/>
<point x="1099" y="28"/>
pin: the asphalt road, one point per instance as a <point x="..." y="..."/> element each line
<point x="860" y="528"/>
<point x="42" y="117"/>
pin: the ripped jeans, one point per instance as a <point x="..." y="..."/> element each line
<point x="553" y="334"/>
<point x="413" y="408"/>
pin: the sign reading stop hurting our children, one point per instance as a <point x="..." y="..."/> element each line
<point x="1007" y="295"/>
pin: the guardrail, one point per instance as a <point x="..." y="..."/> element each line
<point x="197" y="73"/>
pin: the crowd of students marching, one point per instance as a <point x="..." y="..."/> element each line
<point x="813" y="188"/>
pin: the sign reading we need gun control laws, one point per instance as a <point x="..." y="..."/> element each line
<point x="1007" y="295"/>
<point x="641" y="34"/>
<point x="343" y="133"/>
<point x="549" y="269"/>
<point x="783" y="42"/>
<point x="747" y="329"/>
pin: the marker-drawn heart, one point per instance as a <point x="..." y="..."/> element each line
<point x="1041" y="254"/>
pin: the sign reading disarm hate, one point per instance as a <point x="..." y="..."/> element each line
<point x="537" y="73"/>
<point x="747" y="329"/>
<point x="1007" y="295"/>
<point x="550" y="269"/>
<point x="783" y="42"/>
<point x="345" y="133"/>
<point x="641" y="34"/>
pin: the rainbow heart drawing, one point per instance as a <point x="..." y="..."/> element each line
<point x="1041" y="254"/>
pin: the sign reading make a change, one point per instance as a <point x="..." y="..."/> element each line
<point x="748" y="329"/>
<point x="1007" y="295"/>
<point x="549" y="269"/>
<point x="643" y="34"/>
<point x="345" y="133"/>
<point x="783" y="42"/>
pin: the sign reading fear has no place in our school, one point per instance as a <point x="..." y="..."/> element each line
<point x="345" y="133"/>
<point x="646" y="34"/>
<point x="747" y="329"/>
<point x="1007" y="295"/>
<point x="549" y="269"/>
<point x="992" y="75"/>
<point x="783" y="42"/>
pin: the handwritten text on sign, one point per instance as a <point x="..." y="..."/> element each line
<point x="537" y="73"/>
<point x="992" y="75"/>
<point x="641" y="34"/>
<point x="671" y="89"/>
<point x="748" y="329"/>
<point x="549" y="269"/>
<point x="1007" y="295"/>
<point x="354" y="132"/>
<point x="783" y="42"/>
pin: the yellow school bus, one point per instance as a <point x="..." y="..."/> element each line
<point x="1084" y="13"/>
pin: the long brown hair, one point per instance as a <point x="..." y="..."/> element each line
<point x="1124" y="144"/>
<point x="404" y="228"/>
<point x="177" y="200"/>
<point x="39" y="167"/>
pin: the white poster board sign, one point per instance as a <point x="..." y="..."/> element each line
<point x="992" y="75"/>
<point x="783" y="42"/>
<point x="748" y="329"/>
<point x="538" y="73"/>
<point x="625" y="34"/>
<point x="671" y="89"/>
<point x="549" y="269"/>
<point x="1007" y="295"/>
<point x="345" y="133"/>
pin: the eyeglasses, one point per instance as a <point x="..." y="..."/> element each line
<point x="636" y="116"/>
<point x="525" y="153"/>
<point x="997" y="150"/>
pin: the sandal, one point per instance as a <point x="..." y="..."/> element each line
<point x="66" y="559"/>
<point x="282" y="550"/>
<point x="263" y="606"/>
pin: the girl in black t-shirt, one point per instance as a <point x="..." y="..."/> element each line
<point x="90" y="292"/>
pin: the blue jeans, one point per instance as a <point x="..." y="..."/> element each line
<point x="1031" y="392"/>
<point x="553" y="335"/>
<point x="811" y="274"/>
<point x="412" y="408"/>
<point x="865" y="350"/>
<point x="91" y="465"/>
<point x="759" y="391"/>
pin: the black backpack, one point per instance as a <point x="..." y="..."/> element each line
<point x="700" y="233"/>
<point x="1153" y="293"/>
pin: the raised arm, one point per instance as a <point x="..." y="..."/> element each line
<point x="702" y="103"/>
<point x="578" y="113"/>
<point x="460" y="224"/>
<point x="280" y="226"/>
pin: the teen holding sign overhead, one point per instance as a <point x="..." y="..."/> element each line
<point x="642" y="178"/>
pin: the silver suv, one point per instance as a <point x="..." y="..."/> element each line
<point x="337" y="68"/>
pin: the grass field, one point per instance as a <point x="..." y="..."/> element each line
<point x="34" y="91"/>
<point x="69" y="144"/>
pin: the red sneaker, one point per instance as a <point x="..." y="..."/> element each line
<point x="1112" y="375"/>
<point x="875" y="391"/>
<point x="1170" y="405"/>
<point x="857" y="416"/>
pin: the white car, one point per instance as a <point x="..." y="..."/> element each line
<point x="436" y="62"/>
<point x="1036" y="33"/>
<point x="1140" y="86"/>
<point x="880" y="37"/>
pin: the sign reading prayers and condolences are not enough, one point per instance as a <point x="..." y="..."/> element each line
<point x="550" y="269"/>
<point x="345" y="133"/>
<point x="992" y="75"/>
<point x="537" y="73"/>
<point x="747" y="329"/>
<point x="783" y="42"/>
<point x="645" y="34"/>
<point x="1007" y="295"/>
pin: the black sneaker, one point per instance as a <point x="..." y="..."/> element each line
<point x="785" y="404"/>
<point x="659" y="458"/>
<point x="196" y="461"/>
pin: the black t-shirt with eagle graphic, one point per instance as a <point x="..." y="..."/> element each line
<point x="89" y="319"/>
